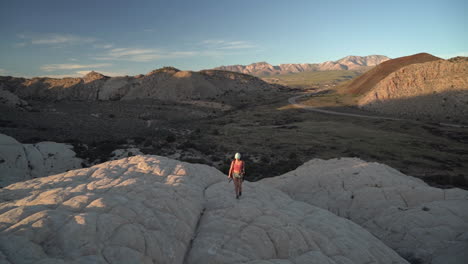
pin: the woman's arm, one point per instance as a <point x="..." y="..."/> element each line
<point x="230" y="169"/>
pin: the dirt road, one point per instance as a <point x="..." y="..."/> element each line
<point x="293" y="102"/>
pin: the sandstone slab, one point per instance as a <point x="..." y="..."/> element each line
<point x="19" y="162"/>
<point x="420" y="222"/>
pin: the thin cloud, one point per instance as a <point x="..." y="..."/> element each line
<point x="67" y="66"/>
<point x="21" y="44"/>
<point x="143" y="55"/>
<point x="54" y="39"/>
<point x="103" y="46"/>
<point x="227" y="45"/>
<point x="3" y="71"/>
<point x="125" y="52"/>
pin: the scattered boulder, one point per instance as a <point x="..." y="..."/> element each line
<point x="19" y="162"/>
<point x="420" y="222"/>
<point x="124" y="153"/>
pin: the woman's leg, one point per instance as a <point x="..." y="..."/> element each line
<point x="240" y="187"/>
<point x="237" y="183"/>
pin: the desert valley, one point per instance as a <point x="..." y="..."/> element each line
<point x="233" y="132"/>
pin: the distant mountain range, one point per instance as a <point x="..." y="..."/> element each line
<point x="346" y="63"/>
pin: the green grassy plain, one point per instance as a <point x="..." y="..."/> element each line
<point x="308" y="80"/>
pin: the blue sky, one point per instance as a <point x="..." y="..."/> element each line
<point x="69" y="38"/>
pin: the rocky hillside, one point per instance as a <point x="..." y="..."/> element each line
<point x="150" y="209"/>
<point x="164" y="84"/>
<point x="435" y="90"/>
<point x="368" y="80"/>
<point x="346" y="63"/>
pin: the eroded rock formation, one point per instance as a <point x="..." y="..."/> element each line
<point x="20" y="162"/>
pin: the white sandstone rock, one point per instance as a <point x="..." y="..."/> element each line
<point x="418" y="221"/>
<point x="19" y="162"/>
<point x="267" y="225"/>
<point x="9" y="99"/>
<point x="150" y="209"/>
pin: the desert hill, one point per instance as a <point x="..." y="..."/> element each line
<point x="368" y="80"/>
<point x="164" y="84"/>
<point x="346" y="63"/>
<point x="435" y="90"/>
<point x="150" y="209"/>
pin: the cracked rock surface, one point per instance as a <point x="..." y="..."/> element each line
<point x="420" y="222"/>
<point x="19" y="162"/>
<point x="150" y="209"/>
<point x="267" y="226"/>
<point x="134" y="210"/>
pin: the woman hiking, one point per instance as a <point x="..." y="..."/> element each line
<point x="236" y="172"/>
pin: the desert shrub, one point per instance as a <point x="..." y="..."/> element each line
<point x="187" y="145"/>
<point x="34" y="140"/>
<point x="138" y="140"/>
<point x="121" y="141"/>
<point x="148" y="142"/>
<point x="5" y="123"/>
<point x="195" y="160"/>
<point x="215" y="158"/>
<point x="106" y="147"/>
<point x="170" y="138"/>
<point x="265" y="159"/>
<point x="205" y="149"/>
